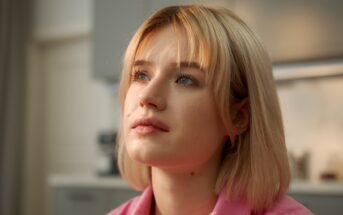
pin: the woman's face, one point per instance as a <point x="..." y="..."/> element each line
<point x="170" y="119"/>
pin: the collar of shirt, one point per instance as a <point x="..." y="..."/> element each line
<point x="144" y="202"/>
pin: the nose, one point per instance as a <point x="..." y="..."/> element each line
<point x="153" y="96"/>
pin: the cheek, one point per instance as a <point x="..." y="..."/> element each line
<point x="198" y="110"/>
<point x="130" y="102"/>
<point x="130" y="105"/>
<point x="197" y="116"/>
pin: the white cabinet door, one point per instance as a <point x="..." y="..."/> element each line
<point x="321" y="204"/>
<point x="89" y="201"/>
<point x="79" y="201"/>
<point x="114" y="24"/>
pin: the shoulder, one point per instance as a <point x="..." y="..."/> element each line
<point x="138" y="205"/>
<point x="287" y="205"/>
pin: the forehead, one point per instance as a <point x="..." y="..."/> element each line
<point x="167" y="43"/>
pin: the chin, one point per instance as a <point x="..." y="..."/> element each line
<point x="159" y="160"/>
<point x="144" y="150"/>
<point x="153" y="159"/>
<point x="142" y="155"/>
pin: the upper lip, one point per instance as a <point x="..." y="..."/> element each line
<point x="150" y="122"/>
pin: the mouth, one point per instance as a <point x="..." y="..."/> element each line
<point x="149" y="125"/>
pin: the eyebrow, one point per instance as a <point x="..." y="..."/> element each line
<point x="182" y="64"/>
<point x="141" y="63"/>
<point x="192" y="64"/>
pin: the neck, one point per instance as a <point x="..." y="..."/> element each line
<point x="189" y="192"/>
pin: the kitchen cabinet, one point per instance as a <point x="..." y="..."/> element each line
<point x="88" y="201"/>
<point x="321" y="198"/>
<point x="87" y="195"/>
<point x="114" y="25"/>
<point x="321" y="204"/>
<point x="303" y="30"/>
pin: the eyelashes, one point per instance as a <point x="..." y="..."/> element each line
<point x="186" y="80"/>
<point x="183" y="79"/>
<point x="139" y="76"/>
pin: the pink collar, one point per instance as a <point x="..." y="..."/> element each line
<point x="145" y="201"/>
<point x="141" y="205"/>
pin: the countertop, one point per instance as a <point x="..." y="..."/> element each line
<point x="115" y="182"/>
<point x="110" y="182"/>
<point x="322" y="188"/>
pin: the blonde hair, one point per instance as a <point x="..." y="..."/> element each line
<point x="238" y="67"/>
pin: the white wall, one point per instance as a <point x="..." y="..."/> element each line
<point x="77" y="107"/>
<point x="313" y="118"/>
<point x="67" y="107"/>
<point x="56" y="18"/>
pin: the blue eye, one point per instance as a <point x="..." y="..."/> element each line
<point x="186" y="80"/>
<point x="140" y="76"/>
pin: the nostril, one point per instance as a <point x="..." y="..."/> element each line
<point x="148" y="104"/>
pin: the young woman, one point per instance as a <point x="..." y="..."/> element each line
<point x="202" y="130"/>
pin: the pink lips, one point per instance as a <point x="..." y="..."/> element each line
<point x="149" y="125"/>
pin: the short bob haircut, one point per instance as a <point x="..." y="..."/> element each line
<point x="238" y="67"/>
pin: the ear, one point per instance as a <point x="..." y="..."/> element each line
<point x="240" y="116"/>
<point x="239" y="119"/>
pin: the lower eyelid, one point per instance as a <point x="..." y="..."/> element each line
<point x="192" y="79"/>
<point x="135" y="75"/>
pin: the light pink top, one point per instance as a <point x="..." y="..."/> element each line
<point x="141" y="205"/>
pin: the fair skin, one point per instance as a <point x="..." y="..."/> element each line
<point x="171" y="124"/>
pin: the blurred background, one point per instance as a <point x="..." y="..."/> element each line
<point x="60" y="64"/>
